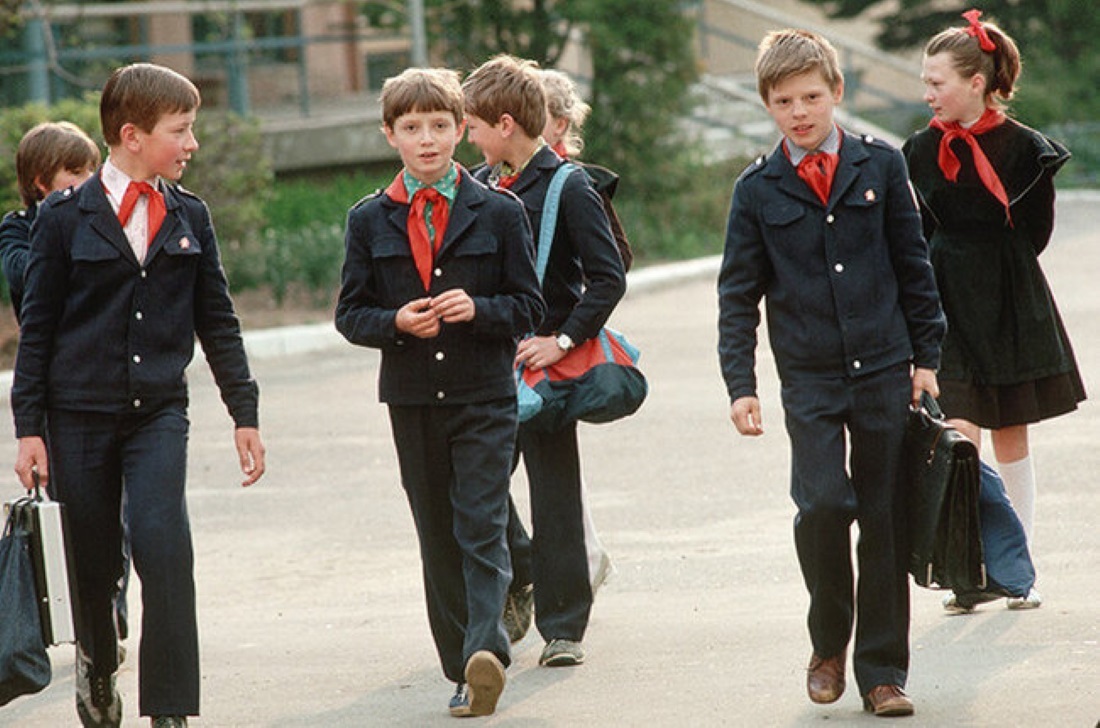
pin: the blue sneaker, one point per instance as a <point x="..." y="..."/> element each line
<point x="485" y="676"/>
<point x="460" y="702"/>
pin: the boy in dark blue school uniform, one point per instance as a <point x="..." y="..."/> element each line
<point x="439" y="274"/>
<point x="122" y="274"/>
<point x="584" y="281"/>
<point x="827" y="230"/>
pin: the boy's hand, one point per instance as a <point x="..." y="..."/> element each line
<point x="745" y="413"/>
<point x="418" y="318"/>
<point x="538" y="352"/>
<point x="31" y="458"/>
<point x="250" y="451"/>
<point x="924" y="380"/>
<point x="453" y="306"/>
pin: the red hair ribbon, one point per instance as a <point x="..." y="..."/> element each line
<point x="977" y="30"/>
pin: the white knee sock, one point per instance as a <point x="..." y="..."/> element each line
<point x="1019" y="479"/>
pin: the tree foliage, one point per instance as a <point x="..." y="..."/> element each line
<point x="641" y="53"/>
<point x="1057" y="40"/>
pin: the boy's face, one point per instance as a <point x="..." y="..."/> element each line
<point x="64" y="179"/>
<point x="488" y="138"/>
<point x="802" y="107"/>
<point x="951" y="97"/>
<point x="426" y="141"/>
<point x="165" y="151"/>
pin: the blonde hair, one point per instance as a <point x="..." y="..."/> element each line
<point x="141" y="94"/>
<point x="791" y="52"/>
<point x="563" y="102"/>
<point x="507" y="85"/>
<point x="47" y="149"/>
<point x="1000" y="67"/>
<point x="424" y="90"/>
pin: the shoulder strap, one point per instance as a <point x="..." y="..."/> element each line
<point x="550" y="217"/>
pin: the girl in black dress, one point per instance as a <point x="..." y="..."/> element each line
<point x="986" y="188"/>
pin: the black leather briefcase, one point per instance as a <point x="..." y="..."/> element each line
<point x="942" y="475"/>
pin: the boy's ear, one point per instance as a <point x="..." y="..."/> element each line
<point x="388" y="131"/>
<point x="838" y="94"/>
<point x="507" y="125"/>
<point x="43" y="190"/>
<point x="130" y="135"/>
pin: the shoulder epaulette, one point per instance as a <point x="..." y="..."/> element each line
<point x="754" y="166"/>
<point x="367" y="198"/>
<point x="183" y="190"/>
<point x="874" y="141"/>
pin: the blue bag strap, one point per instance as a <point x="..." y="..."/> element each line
<point x="550" y="217"/>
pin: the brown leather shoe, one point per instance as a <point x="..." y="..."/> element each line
<point x="825" y="678"/>
<point x="887" y="700"/>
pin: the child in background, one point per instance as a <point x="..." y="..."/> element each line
<point x="566" y="113"/>
<point x="506" y="107"/>
<point x="986" y="188"/>
<point x="439" y="275"/>
<point x="825" y="229"/>
<point x="52" y="156"/>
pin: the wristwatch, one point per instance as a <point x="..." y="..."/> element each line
<point x="565" y="343"/>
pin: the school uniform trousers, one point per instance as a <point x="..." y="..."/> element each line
<point x="851" y="305"/>
<point x="451" y="398"/>
<point x="584" y="281"/>
<point x="105" y="342"/>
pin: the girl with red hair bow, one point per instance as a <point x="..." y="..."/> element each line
<point x="985" y="183"/>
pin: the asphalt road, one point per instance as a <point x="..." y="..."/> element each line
<point x="310" y="598"/>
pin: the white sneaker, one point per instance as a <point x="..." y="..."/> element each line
<point x="1033" y="600"/>
<point x="606" y="570"/>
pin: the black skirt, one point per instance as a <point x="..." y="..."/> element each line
<point x="992" y="407"/>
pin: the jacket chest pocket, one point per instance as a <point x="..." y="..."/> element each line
<point x="93" y="251"/>
<point x="473" y="264"/>
<point x="785" y="224"/>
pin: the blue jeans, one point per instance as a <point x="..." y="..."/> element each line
<point x="94" y="457"/>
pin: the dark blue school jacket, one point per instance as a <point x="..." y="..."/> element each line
<point x="101" y="332"/>
<point x="585" y="278"/>
<point x="486" y="251"/>
<point x="849" y="287"/>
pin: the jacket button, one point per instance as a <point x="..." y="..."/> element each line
<point x="440" y="395"/>
<point x="137" y="358"/>
<point x="137" y="403"/>
<point x="829" y="219"/>
<point x="440" y="356"/>
<point x="857" y="364"/>
<point x="839" y="267"/>
<point x="438" y="272"/>
<point x="139" y="315"/>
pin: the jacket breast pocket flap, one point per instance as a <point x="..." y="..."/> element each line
<point x="93" y="250"/>
<point x="783" y="214"/>
<point x="390" y="247"/>
<point x="477" y="245"/>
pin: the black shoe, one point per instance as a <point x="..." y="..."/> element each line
<point x="519" y="610"/>
<point x="97" y="701"/>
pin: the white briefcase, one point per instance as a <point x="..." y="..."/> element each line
<point x="53" y="566"/>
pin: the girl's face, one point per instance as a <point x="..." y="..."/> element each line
<point x="952" y="97"/>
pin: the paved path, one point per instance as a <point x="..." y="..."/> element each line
<point x="310" y="598"/>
